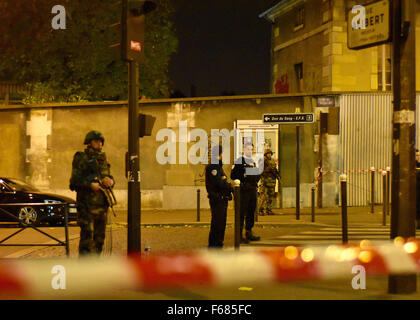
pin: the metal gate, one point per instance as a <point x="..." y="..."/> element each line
<point x="365" y="142"/>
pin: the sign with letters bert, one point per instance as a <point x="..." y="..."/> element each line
<point x="369" y="25"/>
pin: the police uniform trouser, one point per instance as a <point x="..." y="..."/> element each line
<point x="268" y="196"/>
<point x="218" y="222"/>
<point x="248" y="206"/>
<point x="92" y="230"/>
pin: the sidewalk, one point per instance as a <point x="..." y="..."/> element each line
<point x="326" y="216"/>
<point x="181" y="235"/>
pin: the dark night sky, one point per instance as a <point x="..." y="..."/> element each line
<point x="223" y="46"/>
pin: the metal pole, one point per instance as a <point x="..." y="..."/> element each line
<point x="313" y="204"/>
<point x="297" y="172"/>
<point x="198" y="205"/>
<point x="237" y="202"/>
<point x="385" y="202"/>
<point x="280" y="193"/>
<point x="344" y="231"/>
<point x="372" y="189"/>
<point x="403" y="195"/>
<point x="66" y="229"/>
<point x="388" y="187"/>
<point x="134" y="197"/>
<point x="323" y="126"/>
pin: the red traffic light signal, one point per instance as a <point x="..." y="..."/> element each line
<point x="134" y="28"/>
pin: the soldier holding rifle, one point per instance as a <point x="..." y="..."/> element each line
<point x="91" y="179"/>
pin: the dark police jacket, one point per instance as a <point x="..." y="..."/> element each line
<point x="216" y="183"/>
<point x="250" y="182"/>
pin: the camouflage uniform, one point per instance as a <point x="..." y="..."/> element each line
<point x="90" y="166"/>
<point x="268" y="179"/>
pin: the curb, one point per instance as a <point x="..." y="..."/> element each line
<point x="203" y="224"/>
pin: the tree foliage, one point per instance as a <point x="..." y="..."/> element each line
<point x="76" y="63"/>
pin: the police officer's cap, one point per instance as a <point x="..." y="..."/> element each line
<point x="94" y="135"/>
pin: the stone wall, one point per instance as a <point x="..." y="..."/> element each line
<point x="38" y="143"/>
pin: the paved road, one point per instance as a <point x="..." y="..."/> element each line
<point x="184" y="237"/>
<point x="330" y="235"/>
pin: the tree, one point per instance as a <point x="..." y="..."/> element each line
<point x="76" y="64"/>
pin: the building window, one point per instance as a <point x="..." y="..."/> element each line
<point x="299" y="76"/>
<point x="300" y="18"/>
<point x="327" y="11"/>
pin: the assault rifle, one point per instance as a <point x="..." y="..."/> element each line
<point x="109" y="194"/>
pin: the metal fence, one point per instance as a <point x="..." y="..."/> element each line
<point x="366" y="141"/>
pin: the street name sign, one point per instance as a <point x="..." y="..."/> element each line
<point x="288" y="118"/>
<point x="325" y="101"/>
<point x="369" y="25"/>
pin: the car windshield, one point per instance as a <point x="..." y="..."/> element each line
<point x="19" y="185"/>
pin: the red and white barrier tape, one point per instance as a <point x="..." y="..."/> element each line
<point x="320" y="170"/>
<point x="33" y="278"/>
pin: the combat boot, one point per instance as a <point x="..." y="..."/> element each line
<point x="251" y="237"/>
<point x="244" y="240"/>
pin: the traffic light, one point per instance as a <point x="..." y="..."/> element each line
<point x="131" y="29"/>
<point x="134" y="28"/>
<point x="146" y="123"/>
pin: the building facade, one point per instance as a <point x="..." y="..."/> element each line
<point x="310" y="52"/>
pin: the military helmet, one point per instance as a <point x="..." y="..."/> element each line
<point x="267" y="151"/>
<point x="94" y="135"/>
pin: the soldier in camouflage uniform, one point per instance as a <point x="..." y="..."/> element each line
<point x="268" y="180"/>
<point x="90" y="171"/>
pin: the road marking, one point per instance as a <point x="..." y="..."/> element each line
<point x="330" y="235"/>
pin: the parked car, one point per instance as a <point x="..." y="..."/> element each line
<point x="32" y="206"/>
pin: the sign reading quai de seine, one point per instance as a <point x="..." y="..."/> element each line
<point x="369" y="25"/>
<point x="288" y="118"/>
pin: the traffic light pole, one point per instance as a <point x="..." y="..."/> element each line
<point x="134" y="197"/>
<point x="403" y="154"/>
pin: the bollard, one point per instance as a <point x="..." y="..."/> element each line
<point x="297" y="172"/>
<point x="66" y="229"/>
<point x="388" y="186"/>
<point x="372" y="189"/>
<point x="385" y="202"/>
<point x="237" y="200"/>
<point x="343" y="184"/>
<point x="313" y="204"/>
<point x="198" y="205"/>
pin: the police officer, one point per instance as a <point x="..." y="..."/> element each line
<point x="246" y="171"/>
<point x="219" y="193"/>
<point x="90" y="175"/>
<point x="268" y="178"/>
